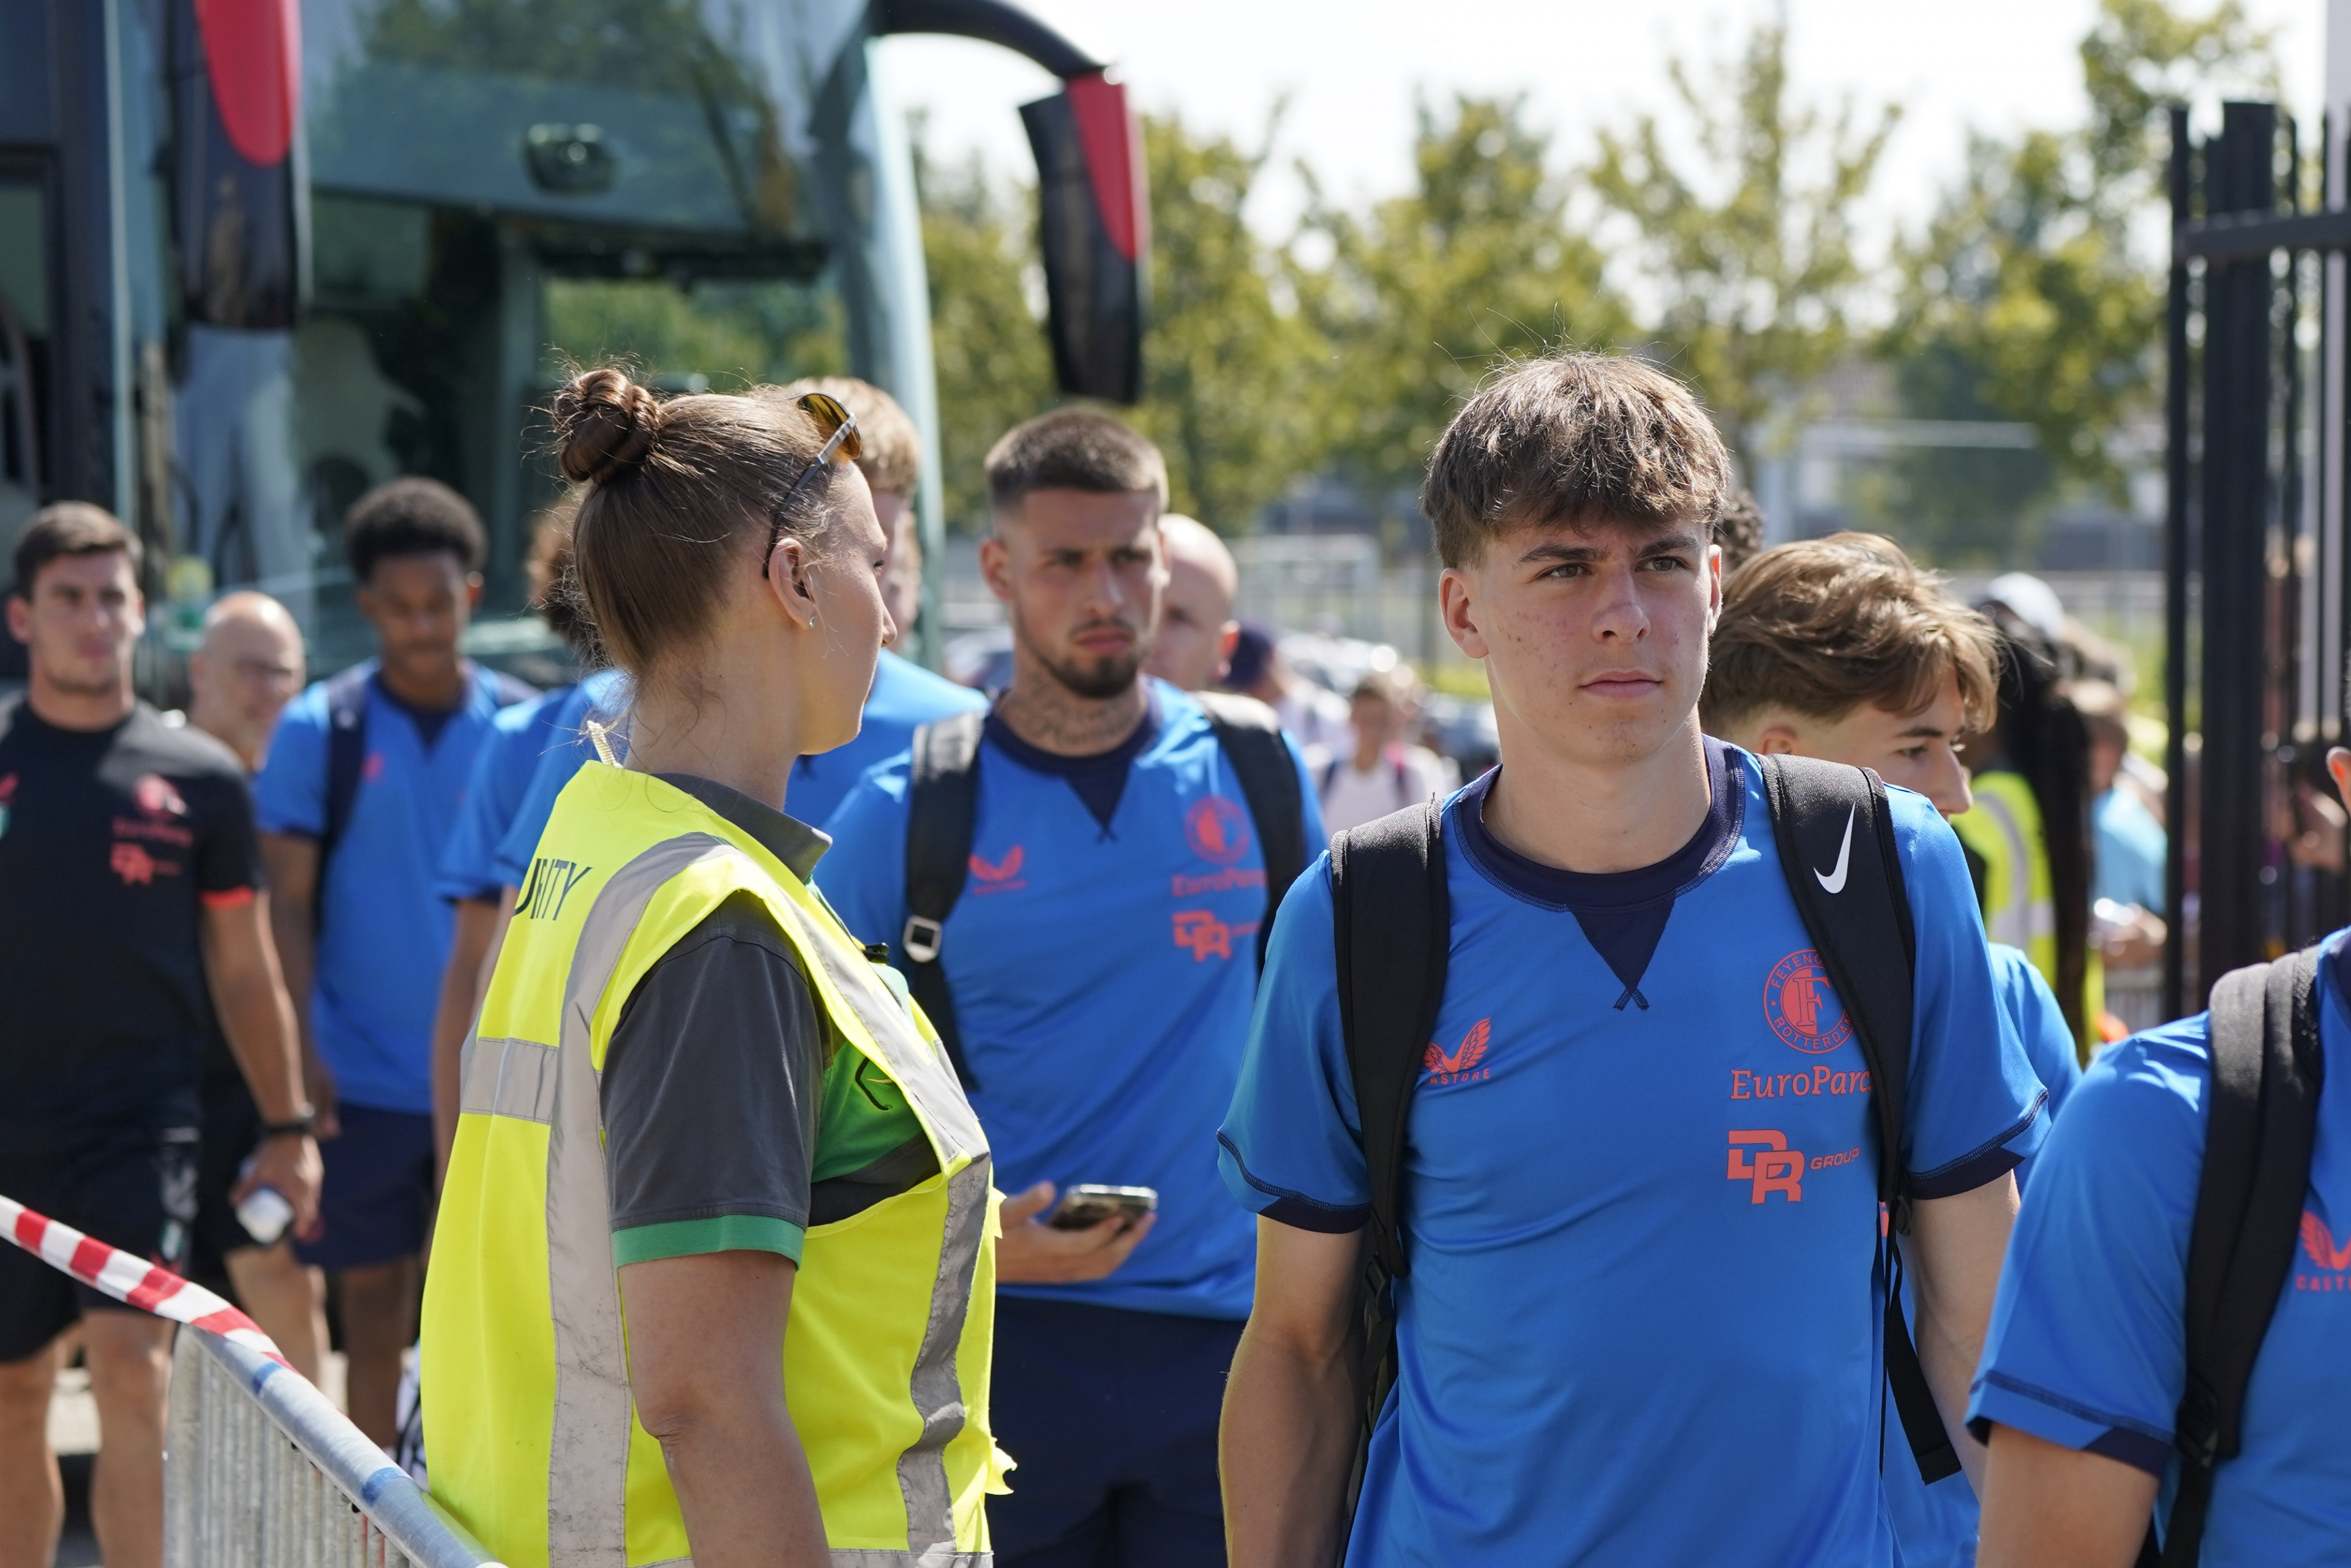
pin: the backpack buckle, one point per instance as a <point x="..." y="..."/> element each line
<point x="920" y="940"/>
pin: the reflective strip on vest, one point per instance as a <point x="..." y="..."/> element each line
<point x="507" y="1078"/>
<point x="937" y="1387"/>
<point x="587" y="1464"/>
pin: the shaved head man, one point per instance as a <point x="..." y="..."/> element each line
<point x="245" y="672"/>
<point x="1197" y="629"/>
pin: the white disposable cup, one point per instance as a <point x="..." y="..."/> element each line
<point x="265" y="1213"/>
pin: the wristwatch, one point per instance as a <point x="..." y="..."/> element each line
<point x="301" y="1126"/>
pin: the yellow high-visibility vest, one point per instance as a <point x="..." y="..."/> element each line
<point x="2005" y="829"/>
<point x="532" y="1430"/>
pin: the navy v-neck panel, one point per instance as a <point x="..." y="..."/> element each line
<point x="1623" y="914"/>
<point x="1098" y="779"/>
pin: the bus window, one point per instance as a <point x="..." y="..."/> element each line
<point x="495" y="185"/>
<point x="24" y="337"/>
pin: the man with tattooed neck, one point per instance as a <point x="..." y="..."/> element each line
<point x="1099" y="963"/>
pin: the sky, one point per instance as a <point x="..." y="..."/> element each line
<point x="1351" y="69"/>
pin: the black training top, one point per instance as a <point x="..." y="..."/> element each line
<point x="112" y="842"/>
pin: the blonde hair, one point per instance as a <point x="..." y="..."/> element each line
<point x="1823" y="626"/>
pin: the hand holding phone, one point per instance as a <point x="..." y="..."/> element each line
<point x="1040" y="1247"/>
<point x="1088" y="1205"/>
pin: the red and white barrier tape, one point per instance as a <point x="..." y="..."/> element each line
<point x="132" y="1280"/>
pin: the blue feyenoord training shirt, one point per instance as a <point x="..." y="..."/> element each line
<point x="1936" y="1526"/>
<point x="519" y="736"/>
<point x="1102" y="959"/>
<point x="905" y="696"/>
<point x="568" y="746"/>
<point x="383" y="927"/>
<point x="2088" y="1342"/>
<point x="1640" y="1326"/>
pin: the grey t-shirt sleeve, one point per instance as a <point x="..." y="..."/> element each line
<point x="713" y="1079"/>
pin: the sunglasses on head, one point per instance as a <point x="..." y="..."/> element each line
<point x="839" y="427"/>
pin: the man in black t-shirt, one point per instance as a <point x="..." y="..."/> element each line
<point x="130" y="912"/>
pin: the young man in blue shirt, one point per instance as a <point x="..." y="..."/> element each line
<point x="1101" y="960"/>
<point x="2086" y="1366"/>
<point x="361" y="925"/>
<point x="1608" y="1353"/>
<point x="905" y="696"/>
<point x="1840" y="648"/>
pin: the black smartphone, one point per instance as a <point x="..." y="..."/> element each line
<point x="1084" y="1208"/>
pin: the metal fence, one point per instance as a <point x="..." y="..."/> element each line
<point x="263" y="1472"/>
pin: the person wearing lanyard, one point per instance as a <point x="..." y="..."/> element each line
<point x="692" y="1101"/>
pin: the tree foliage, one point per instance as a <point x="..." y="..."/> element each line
<point x="1230" y="390"/>
<point x="2027" y="283"/>
<point x="994" y="366"/>
<point x="1749" y="256"/>
<point x="1720" y="236"/>
<point x="1416" y="300"/>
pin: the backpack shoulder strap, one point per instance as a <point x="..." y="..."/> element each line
<point x="347" y="704"/>
<point x="1253" y="742"/>
<point x="1390" y="929"/>
<point x="2266" y="1071"/>
<point x="941" y="802"/>
<point x="1834" y="827"/>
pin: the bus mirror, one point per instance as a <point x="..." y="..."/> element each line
<point x="569" y="160"/>
<point x="1095" y="213"/>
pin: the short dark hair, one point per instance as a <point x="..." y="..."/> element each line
<point x="1072" y="449"/>
<point x="1824" y="626"/>
<point x="1739" y="531"/>
<point x="1576" y="439"/>
<point x="412" y="517"/>
<point x="70" y="528"/>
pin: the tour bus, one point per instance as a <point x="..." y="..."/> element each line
<point x="257" y="256"/>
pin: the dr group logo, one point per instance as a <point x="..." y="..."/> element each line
<point x="1761" y="1158"/>
<point x="1199" y="932"/>
<point x="1217" y="830"/>
<point x="1801" y="1009"/>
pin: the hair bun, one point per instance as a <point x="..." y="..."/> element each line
<point x="607" y="423"/>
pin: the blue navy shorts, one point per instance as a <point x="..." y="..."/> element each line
<point x="1112" y="1417"/>
<point x="377" y="1198"/>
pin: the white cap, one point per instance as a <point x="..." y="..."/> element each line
<point x="2035" y="603"/>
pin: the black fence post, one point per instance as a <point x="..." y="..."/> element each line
<point x="2240" y="176"/>
<point x="2176" y="560"/>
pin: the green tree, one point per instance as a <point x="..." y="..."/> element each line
<point x="1228" y="372"/>
<point x="994" y="366"/>
<point x="2025" y="297"/>
<point x="1417" y="299"/>
<point x="1751" y="260"/>
<point x="1229" y="369"/>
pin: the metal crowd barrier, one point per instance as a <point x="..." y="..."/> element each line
<point x="262" y="1471"/>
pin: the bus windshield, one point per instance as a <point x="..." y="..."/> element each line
<point x="496" y="189"/>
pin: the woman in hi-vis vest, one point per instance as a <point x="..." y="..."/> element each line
<point x="714" y="1272"/>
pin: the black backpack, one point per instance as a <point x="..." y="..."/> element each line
<point x="347" y="702"/>
<point x="943" y="800"/>
<point x="2267" y="1067"/>
<point x="1392" y="932"/>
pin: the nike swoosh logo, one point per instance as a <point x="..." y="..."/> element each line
<point x="1833" y="880"/>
